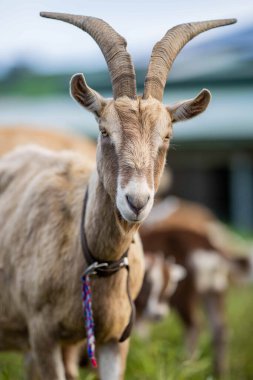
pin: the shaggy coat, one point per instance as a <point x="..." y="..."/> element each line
<point x="41" y="195"/>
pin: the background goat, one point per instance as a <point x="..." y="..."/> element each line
<point x="185" y="231"/>
<point x="15" y="136"/>
<point x="160" y="282"/>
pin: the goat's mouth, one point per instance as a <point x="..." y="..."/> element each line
<point x="131" y="216"/>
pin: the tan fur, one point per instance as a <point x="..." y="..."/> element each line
<point x="40" y="210"/>
<point x="13" y="136"/>
<point x="41" y="196"/>
<point x="145" y="125"/>
<point x="41" y="201"/>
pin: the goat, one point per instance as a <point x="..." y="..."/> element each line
<point x="174" y="212"/>
<point x="41" y="202"/>
<point x="13" y="136"/>
<point x="182" y="232"/>
<point x="160" y="282"/>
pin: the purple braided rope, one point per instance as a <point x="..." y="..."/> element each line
<point x="89" y="322"/>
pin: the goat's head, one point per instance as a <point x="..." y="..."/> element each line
<point x="135" y="132"/>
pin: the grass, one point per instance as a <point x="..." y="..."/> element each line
<point x="162" y="356"/>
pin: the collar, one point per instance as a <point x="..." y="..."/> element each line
<point x="100" y="268"/>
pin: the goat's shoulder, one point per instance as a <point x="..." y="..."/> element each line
<point x="43" y="198"/>
<point x="40" y="183"/>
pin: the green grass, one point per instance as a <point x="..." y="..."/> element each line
<point x="162" y="356"/>
<point x="11" y="367"/>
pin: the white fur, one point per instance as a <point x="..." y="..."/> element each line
<point x="155" y="307"/>
<point x="212" y="271"/>
<point x="109" y="362"/>
<point x="177" y="273"/>
<point x="137" y="186"/>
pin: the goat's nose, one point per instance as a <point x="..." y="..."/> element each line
<point x="137" y="203"/>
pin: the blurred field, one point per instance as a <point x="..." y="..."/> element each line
<point x="162" y="357"/>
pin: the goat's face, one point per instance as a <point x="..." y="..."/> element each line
<point x="133" y="141"/>
<point x="134" y="138"/>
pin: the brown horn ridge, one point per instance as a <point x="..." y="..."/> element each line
<point x="113" y="47"/>
<point x="166" y="50"/>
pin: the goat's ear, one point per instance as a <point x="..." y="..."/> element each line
<point x="189" y="108"/>
<point x="85" y="96"/>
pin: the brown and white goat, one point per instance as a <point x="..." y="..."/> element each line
<point x="181" y="230"/>
<point x="160" y="282"/>
<point x="41" y="198"/>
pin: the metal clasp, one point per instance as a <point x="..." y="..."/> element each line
<point x="91" y="270"/>
<point x="125" y="262"/>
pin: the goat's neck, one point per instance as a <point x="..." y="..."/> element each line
<point x="107" y="235"/>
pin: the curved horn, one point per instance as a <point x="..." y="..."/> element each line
<point x="165" y="52"/>
<point x="113" y="47"/>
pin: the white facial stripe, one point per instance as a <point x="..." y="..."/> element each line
<point x="155" y="307"/>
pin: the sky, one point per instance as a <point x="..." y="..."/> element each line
<point x="53" y="46"/>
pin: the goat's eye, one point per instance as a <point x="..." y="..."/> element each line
<point x="104" y="133"/>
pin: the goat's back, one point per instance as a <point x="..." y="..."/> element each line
<point x="12" y="137"/>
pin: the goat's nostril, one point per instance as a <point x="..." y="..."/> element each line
<point x="137" y="203"/>
<point x="130" y="202"/>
